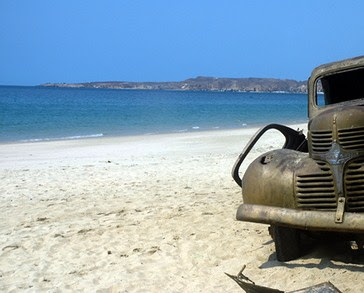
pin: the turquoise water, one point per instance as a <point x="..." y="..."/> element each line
<point x="37" y="113"/>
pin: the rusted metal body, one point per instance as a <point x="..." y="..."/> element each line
<point x="314" y="183"/>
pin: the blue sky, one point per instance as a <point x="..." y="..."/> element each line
<point x="78" y="41"/>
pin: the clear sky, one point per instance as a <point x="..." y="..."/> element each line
<point x="131" y="40"/>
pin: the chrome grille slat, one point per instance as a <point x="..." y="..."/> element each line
<point x="319" y="180"/>
<point x="357" y="198"/>
<point x="322" y="131"/>
<point x="321" y="141"/>
<point x="356" y="165"/>
<point x="313" y="200"/>
<point x="322" y="137"/>
<point x="356" y="177"/>
<point x="345" y="137"/>
<point x="316" y="201"/>
<point x="317" y="194"/>
<point x="357" y="204"/>
<point x="313" y="184"/>
<point x="354" y="147"/>
<point x="356" y="193"/>
<point x="352" y="143"/>
<point x="354" y="185"/>
<point x="323" y="146"/>
<point x="317" y="206"/>
<point x="308" y="187"/>
<point x="355" y="189"/>
<point x="313" y="176"/>
<point x="351" y="138"/>
<point x="350" y="130"/>
<point x="316" y="191"/>
<point x="356" y="209"/>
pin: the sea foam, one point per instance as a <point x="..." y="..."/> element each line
<point x="63" y="138"/>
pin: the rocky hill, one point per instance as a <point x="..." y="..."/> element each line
<point x="200" y="83"/>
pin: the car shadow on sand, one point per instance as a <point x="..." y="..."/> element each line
<point x="331" y="251"/>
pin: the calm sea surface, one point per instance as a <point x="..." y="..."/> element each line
<point x="36" y="113"/>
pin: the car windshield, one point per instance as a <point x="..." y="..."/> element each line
<point x="341" y="87"/>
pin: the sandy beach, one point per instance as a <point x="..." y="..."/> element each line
<point x="142" y="214"/>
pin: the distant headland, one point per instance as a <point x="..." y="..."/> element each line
<point x="200" y="83"/>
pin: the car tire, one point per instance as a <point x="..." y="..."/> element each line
<point x="287" y="242"/>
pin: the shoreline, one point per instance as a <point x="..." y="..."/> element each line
<point x="172" y="90"/>
<point x="137" y="145"/>
<point x="84" y="151"/>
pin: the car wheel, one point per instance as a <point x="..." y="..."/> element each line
<point x="287" y="243"/>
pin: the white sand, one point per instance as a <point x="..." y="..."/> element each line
<point x="147" y="214"/>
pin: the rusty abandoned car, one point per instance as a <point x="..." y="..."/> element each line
<point x="315" y="184"/>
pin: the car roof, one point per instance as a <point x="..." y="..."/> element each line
<point x="333" y="67"/>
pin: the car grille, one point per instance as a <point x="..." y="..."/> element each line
<point x="354" y="185"/>
<point x="351" y="138"/>
<point x="316" y="190"/>
<point x="321" y="141"/>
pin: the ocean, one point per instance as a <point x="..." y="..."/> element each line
<point x="42" y="114"/>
